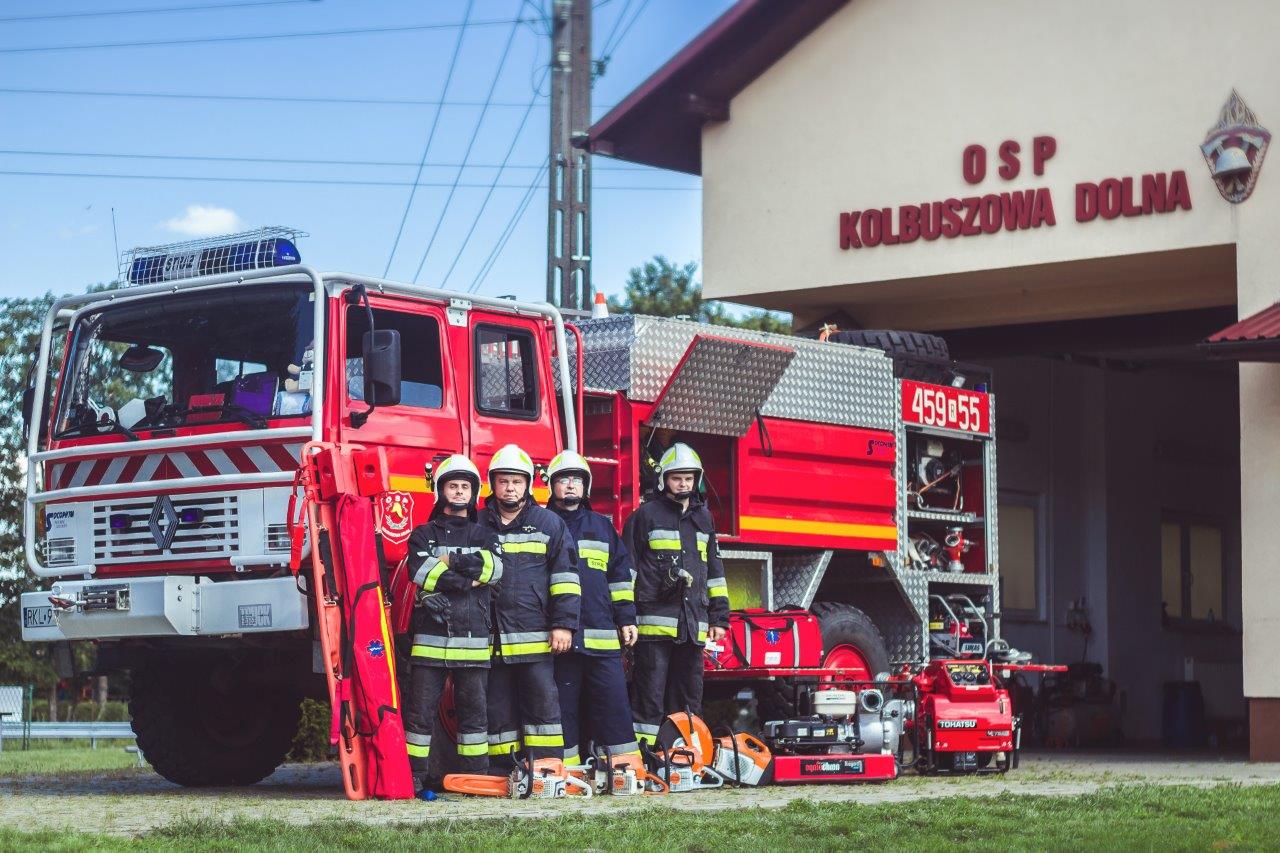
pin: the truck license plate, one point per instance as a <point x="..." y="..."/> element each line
<point x="37" y="617"/>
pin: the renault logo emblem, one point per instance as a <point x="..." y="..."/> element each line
<point x="163" y="522"/>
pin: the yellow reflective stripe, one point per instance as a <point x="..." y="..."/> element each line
<point x="657" y="630"/>
<point x="702" y="551"/>
<point x="544" y="740"/>
<point x="717" y="587"/>
<point x="664" y="544"/>
<point x="593" y="643"/>
<point x="486" y="570"/>
<point x="472" y="749"/>
<point x="514" y="649"/>
<point x="503" y="748"/>
<point x="437" y="653"/>
<point x="433" y="577"/>
<point x="524" y="547"/>
<point x="416" y="751"/>
<point x="718" y="593"/>
<point x="595" y="558"/>
<point x="769" y="524"/>
<point x="622" y="595"/>
<point x="566" y="589"/>
<point x="702" y="636"/>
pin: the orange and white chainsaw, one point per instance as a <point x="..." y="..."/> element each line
<point x="683" y="759"/>
<point x="619" y="775"/>
<point x="544" y="778"/>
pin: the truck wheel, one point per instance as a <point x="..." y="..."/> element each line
<point x="202" y="725"/>
<point x="903" y="347"/>
<point x="850" y="641"/>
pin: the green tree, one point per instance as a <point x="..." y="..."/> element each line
<point x="663" y="289"/>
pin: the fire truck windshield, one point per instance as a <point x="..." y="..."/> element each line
<point x="234" y="355"/>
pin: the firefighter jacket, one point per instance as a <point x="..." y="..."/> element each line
<point x="608" y="588"/>
<point x="540" y="589"/>
<point x="680" y="585"/>
<point x="451" y="620"/>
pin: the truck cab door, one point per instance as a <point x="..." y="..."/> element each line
<point x="422" y="428"/>
<point x="512" y="393"/>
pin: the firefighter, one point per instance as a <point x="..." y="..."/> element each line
<point x="591" y="674"/>
<point x="681" y="596"/>
<point x="536" y="613"/>
<point x="457" y="564"/>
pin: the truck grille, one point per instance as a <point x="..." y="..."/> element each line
<point x="213" y="533"/>
<point x="277" y="538"/>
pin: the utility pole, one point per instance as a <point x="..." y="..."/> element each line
<point x="569" y="185"/>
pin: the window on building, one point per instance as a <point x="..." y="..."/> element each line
<point x="1021" y="563"/>
<point x="421" y="371"/>
<point x="506" y="372"/>
<point x="1191" y="569"/>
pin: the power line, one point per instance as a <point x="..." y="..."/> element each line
<point x="22" y="19"/>
<point x="435" y="121"/>
<point x="617" y="22"/>
<point x="340" y="182"/>
<point x="260" y="37"/>
<point x="501" y="244"/>
<point x="270" y="99"/>
<point x="515" y="138"/>
<point x="627" y="28"/>
<point x="263" y="99"/>
<point x="300" y="161"/>
<point x="475" y="133"/>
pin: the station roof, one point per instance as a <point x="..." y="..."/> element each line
<point x="660" y="123"/>
<point x="1255" y="338"/>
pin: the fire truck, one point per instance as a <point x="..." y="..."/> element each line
<point x="852" y="480"/>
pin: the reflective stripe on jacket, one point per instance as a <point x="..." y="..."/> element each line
<point x="608" y="586"/>
<point x="459" y="634"/>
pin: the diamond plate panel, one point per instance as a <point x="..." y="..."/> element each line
<point x="796" y="576"/>
<point x="825" y="383"/>
<point x="993" y="523"/>
<point x="719" y="386"/>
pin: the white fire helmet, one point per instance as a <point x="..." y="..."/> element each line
<point x="511" y="459"/>
<point x="453" y="467"/>
<point x="680" y="457"/>
<point x="567" y="461"/>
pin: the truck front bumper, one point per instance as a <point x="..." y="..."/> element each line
<point x="165" y="606"/>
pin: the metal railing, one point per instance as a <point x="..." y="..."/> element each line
<point x="93" y="731"/>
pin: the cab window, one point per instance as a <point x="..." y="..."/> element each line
<point x="506" y="374"/>
<point x="421" y="371"/>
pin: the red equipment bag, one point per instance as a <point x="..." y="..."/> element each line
<point x="369" y="701"/>
<point x="761" y="639"/>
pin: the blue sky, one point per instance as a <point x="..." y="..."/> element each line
<point x="56" y="231"/>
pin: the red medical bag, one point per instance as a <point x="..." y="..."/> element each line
<point x="760" y="639"/>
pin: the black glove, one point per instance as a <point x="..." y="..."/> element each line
<point x="674" y="580"/>
<point x="436" y="603"/>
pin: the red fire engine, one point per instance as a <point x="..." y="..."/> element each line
<point x="852" y="482"/>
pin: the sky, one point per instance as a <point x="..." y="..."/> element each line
<point x="73" y="112"/>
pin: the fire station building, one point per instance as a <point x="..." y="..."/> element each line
<point x="1078" y="195"/>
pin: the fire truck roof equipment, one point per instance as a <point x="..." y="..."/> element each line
<point x="261" y="248"/>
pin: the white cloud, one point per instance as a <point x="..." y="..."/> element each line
<point x="200" y="220"/>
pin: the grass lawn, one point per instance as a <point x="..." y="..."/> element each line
<point x="1145" y="817"/>
<point x="63" y="757"/>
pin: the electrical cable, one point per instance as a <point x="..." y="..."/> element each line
<point x="435" y="122"/>
<point x="202" y="7"/>
<point x="501" y="243"/>
<point x="515" y="138"/>
<point x="475" y="134"/>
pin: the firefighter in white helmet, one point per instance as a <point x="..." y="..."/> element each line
<point x="593" y="688"/>
<point x="681" y="596"/>
<point x="535" y="613"/>
<point x="455" y="565"/>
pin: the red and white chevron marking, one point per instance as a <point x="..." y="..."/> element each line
<point x="175" y="464"/>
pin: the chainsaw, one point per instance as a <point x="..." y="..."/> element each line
<point x="544" y="778"/>
<point x="683" y="761"/>
<point x="621" y="775"/>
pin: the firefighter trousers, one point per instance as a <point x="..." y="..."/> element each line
<point x="524" y="712"/>
<point x="666" y="677"/>
<point x="426" y="686"/>
<point x="594" y="708"/>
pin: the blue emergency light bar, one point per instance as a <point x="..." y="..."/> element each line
<point x="248" y="250"/>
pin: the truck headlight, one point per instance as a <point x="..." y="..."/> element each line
<point x="60" y="552"/>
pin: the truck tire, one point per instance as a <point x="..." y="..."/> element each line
<point x="904" y="348"/>
<point x="850" y="640"/>
<point x="201" y="726"/>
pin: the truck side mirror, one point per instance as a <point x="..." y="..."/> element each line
<point x="382" y="367"/>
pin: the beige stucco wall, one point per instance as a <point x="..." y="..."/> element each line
<point x="875" y="108"/>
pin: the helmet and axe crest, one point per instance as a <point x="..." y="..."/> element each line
<point x="1234" y="148"/>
